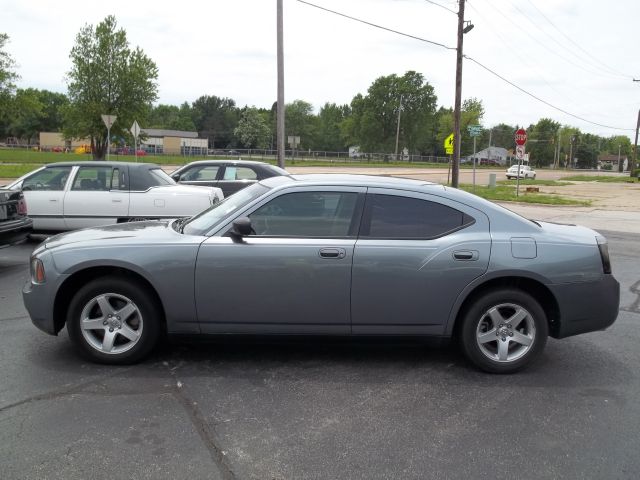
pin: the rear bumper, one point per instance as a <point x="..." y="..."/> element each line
<point x="15" y="231"/>
<point x="586" y="307"/>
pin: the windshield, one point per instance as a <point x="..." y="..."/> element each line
<point x="161" y="177"/>
<point x="203" y="222"/>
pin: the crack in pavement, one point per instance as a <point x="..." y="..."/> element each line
<point x="206" y="433"/>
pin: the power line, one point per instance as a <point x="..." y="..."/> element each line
<point x="442" y="6"/>
<point x="376" y="26"/>
<point x="468" y="58"/>
<point x="544" y="101"/>
<point x="571" y="51"/>
<point x="545" y="46"/>
<point x="576" y="44"/>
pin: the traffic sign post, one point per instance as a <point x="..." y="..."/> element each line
<point x="474" y="131"/>
<point x="135" y="131"/>
<point x="108" y="120"/>
<point x="521" y="139"/>
<point x="448" y="149"/>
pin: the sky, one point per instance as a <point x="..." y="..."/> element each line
<point x="577" y="55"/>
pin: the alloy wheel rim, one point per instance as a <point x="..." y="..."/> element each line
<point x="111" y="323"/>
<point x="505" y="332"/>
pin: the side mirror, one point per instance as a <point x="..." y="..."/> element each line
<point x="176" y="177"/>
<point x="241" y="227"/>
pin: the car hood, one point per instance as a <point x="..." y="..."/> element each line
<point x="132" y="232"/>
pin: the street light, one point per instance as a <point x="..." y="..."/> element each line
<point x="468" y="27"/>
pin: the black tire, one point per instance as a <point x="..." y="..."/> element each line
<point x="533" y="327"/>
<point x="146" y="316"/>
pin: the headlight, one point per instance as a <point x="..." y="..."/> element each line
<point x="37" y="271"/>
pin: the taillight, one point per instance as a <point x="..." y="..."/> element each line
<point x="37" y="271"/>
<point x="22" y="206"/>
<point x="603" y="247"/>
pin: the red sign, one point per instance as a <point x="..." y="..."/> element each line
<point x="521" y="136"/>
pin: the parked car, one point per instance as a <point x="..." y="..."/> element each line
<point x="229" y="175"/>
<point x="329" y="255"/>
<point x="15" y="226"/>
<point x="70" y="195"/>
<point x="525" y="172"/>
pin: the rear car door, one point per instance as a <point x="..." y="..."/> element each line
<point x="44" y="192"/>
<point x="236" y="177"/>
<point x="98" y="196"/>
<point x="292" y="276"/>
<point x="415" y="253"/>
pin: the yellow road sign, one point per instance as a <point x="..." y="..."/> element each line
<point x="448" y="145"/>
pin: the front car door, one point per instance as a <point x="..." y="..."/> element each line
<point x="44" y="193"/>
<point x="292" y="276"/>
<point x="416" y="252"/>
<point x="98" y="196"/>
<point x="202" y="175"/>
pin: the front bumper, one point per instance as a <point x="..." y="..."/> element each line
<point x="39" y="301"/>
<point x="586" y="307"/>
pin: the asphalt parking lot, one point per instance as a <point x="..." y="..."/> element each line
<point x="318" y="409"/>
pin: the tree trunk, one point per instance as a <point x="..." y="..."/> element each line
<point x="98" y="149"/>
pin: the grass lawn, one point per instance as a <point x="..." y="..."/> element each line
<point x="595" y="178"/>
<point x="548" y="183"/>
<point x="504" y="193"/>
<point x="15" y="171"/>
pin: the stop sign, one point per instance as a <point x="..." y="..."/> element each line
<point x="521" y="136"/>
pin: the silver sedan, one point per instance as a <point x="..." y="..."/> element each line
<point x="329" y="255"/>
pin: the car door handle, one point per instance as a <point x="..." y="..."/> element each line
<point x="332" y="252"/>
<point x="53" y="199"/>
<point x="116" y="200"/>
<point x="465" y="255"/>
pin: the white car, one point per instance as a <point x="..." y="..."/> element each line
<point x="71" y="195"/>
<point x="525" y="172"/>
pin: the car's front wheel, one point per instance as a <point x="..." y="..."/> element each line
<point x="503" y="331"/>
<point x="113" y="320"/>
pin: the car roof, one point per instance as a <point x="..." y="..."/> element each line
<point x="348" y="179"/>
<point x="233" y="162"/>
<point x="100" y="163"/>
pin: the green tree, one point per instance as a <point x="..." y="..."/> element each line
<point x="471" y="113"/>
<point x="172" y="117"/>
<point x="300" y="121"/>
<point x="215" y="118"/>
<point x="33" y="111"/>
<point x="541" y="142"/>
<point x="253" y="129"/>
<point x="107" y="77"/>
<point x="7" y="86"/>
<point x="374" y="116"/>
<point x="569" y="139"/>
<point x="329" y="133"/>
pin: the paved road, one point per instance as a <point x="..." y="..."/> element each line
<point x="319" y="410"/>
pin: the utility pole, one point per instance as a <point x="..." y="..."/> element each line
<point x="635" y="147"/>
<point x="571" y="140"/>
<point x="280" y="108"/>
<point x="457" y="141"/>
<point x="398" y="127"/>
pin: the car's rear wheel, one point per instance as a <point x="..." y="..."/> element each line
<point x="113" y="320"/>
<point x="503" y="331"/>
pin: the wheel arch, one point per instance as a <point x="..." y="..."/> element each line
<point x="533" y="286"/>
<point x="75" y="281"/>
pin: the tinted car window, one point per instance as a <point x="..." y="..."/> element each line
<point x="209" y="173"/>
<point x="391" y="216"/>
<point x="306" y="214"/>
<point x="53" y="178"/>
<point x="239" y="173"/>
<point x="93" y="178"/>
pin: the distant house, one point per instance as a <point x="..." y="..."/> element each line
<point x="611" y="162"/>
<point x="490" y="156"/>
